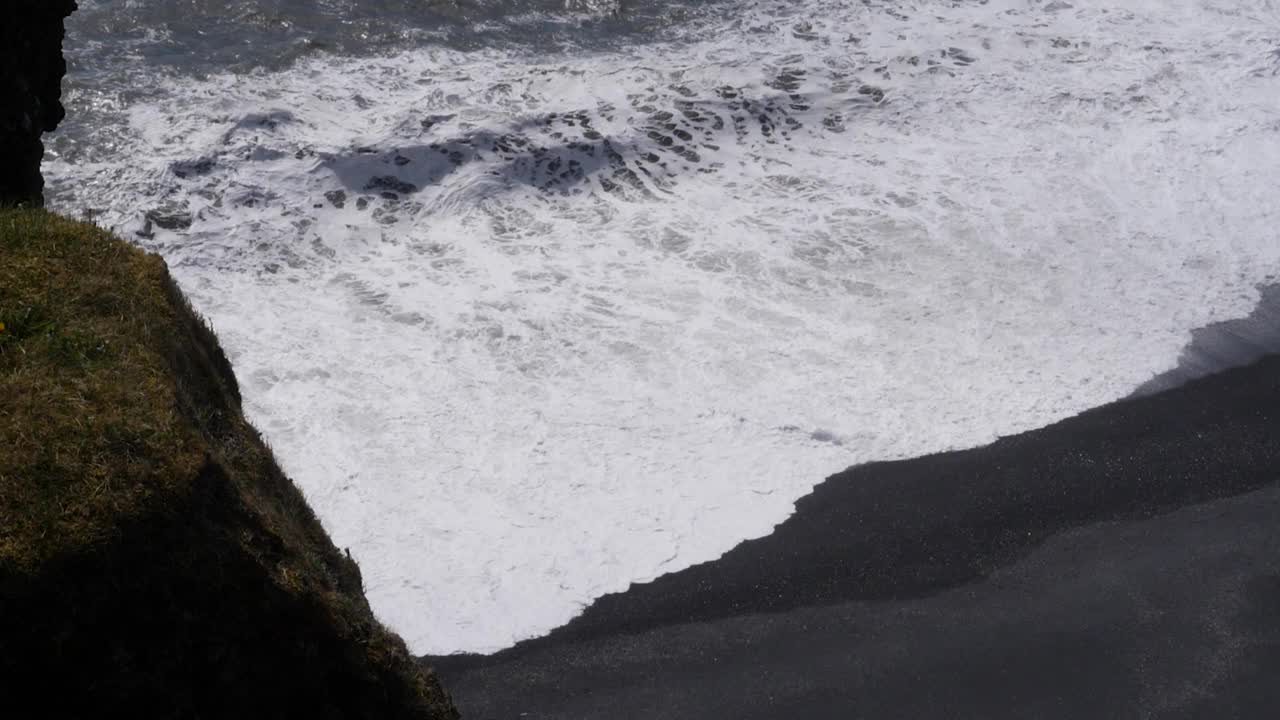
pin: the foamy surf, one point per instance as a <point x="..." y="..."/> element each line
<point x="528" y="325"/>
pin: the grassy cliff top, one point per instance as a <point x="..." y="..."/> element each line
<point x="153" y="556"/>
<point x="87" y="396"/>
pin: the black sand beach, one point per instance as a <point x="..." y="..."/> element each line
<point x="1121" y="563"/>
<point x="1233" y="343"/>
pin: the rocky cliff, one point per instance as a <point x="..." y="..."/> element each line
<point x="154" y="560"/>
<point x="31" y="70"/>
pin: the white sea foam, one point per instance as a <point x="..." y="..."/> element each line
<point x="914" y="226"/>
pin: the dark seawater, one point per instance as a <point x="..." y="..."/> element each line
<point x="200" y="36"/>
<point x="118" y="51"/>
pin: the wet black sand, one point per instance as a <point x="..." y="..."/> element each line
<point x="1122" y="563"/>
<point x="1228" y="344"/>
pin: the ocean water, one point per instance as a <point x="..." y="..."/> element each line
<point x="539" y="298"/>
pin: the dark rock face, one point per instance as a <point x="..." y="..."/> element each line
<point x="31" y="70"/>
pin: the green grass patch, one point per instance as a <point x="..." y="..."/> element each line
<point x="86" y="397"/>
<point x="141" y="516"/>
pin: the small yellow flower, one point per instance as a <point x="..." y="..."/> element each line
<point x="1" y="327"/>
